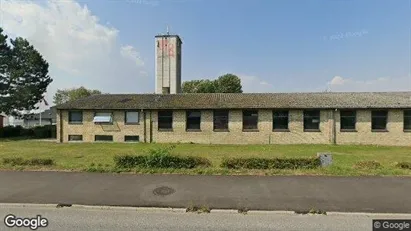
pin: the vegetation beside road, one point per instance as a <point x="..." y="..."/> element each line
<point x="348" y="160"/>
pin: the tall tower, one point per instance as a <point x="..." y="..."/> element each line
<point x="168" y="64"/>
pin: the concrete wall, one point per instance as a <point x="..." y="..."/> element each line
<point x="148" y="131"/>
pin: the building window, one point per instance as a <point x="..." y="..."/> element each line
<point x="131" y="138"/>
<point x="165" y="120"/>
<point x="348" y="119"/>
<point x="280" y="120"/>
<point x="250" y="120"/>
<point x="75" y="138"/>
<point x="132" y="117"/>
<point x="103" y="138"/>
<point x="220" y="120"/>
<point x="193" y="120"/>
<point x="407" y="120"/>
<point x="379" y="120"/>
<point x="312" y="120"/>
<point x="103" y="118"/>
<point x="75" y="117"/>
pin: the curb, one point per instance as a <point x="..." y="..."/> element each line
<point x="183" y="210"/>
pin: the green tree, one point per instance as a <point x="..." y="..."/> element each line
<point x="23" y="76"/>
<point x="65" y="95"/>
<point x="227" y="83"/>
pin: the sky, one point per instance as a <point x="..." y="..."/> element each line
<point x="272" y="45"/>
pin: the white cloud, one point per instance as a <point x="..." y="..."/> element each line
<point x="253" y="84"/>
<point x="339" y="83"/>
<point x="79" y="48"/>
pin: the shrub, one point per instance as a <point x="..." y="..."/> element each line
<point x="160" y="158"/>
<point x="368" y="164"/>
<point x="128" y="161"/>
<point x="15" y="161"/>
<point x="276" y="163"/>
<point x="41" y="161"/>
<point x="404" y="165"/>
<point x="33" y="162"/>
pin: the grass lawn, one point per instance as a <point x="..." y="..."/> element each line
<point x="83" y="156"/>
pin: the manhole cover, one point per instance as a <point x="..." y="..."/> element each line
<point x="163" y="191"/>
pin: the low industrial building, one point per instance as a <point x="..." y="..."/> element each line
<point x="169" y="116"/>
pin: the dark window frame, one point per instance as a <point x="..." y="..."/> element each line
<point x="75" y="140"/>
<point x="221" y="119"/>
<point x="103" y="140"/>
<point x="131" y="123"/>
<point x="407" y="125"/>
<point x="193" y="119"/>
<point x="375" y="117"/>
<point x="280" y="117"/>
<point x="75" y="122"/>
<point x="347" y="117"/>
<point x="306" y="117"/>
<point x="249" y="117"/>
<point x="169" y="128"/>
<point x="131" y="140"/>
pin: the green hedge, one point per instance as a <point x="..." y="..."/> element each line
<point x="275" y="163"/>
<point x="33" y="162"/>
<point x="160" y="158"/>
<point x="47" y="131"/>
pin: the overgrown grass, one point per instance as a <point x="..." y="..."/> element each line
<point x="99" y="157"/>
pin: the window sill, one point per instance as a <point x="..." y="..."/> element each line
<point x="348" y="130"/>
<point x="312" y="130"/>
<point x="96" y="123"/>
<point x="221" y="130"/>
<point x="74" y="123"/>
<point x="407" y="130"/>
<point x="251" y="130"/>
<point x="165" y="129"/>
<point x="281" y="130"/>
<point x="379" y="130"/>
<point x="193" y="130"/>
<point x="131" y="123"/>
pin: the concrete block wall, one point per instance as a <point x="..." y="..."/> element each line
<point x="88" y="129"/>
<point x="148" y="131"/>
<point x="395" y="134"/>
<point x="236" y="135"/>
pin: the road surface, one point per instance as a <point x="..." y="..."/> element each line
<point x="290" y="193"/>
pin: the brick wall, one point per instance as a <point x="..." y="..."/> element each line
<point x="236" y="135"/>
<point x="88" y="129"/>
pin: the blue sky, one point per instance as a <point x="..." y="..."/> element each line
<point x="273" y="45"/>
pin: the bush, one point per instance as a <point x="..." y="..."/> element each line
<point x="276" y="163"/>
<point x="33" y="162"/>
<point x="404" y="165"/>
<point x="128" y="161"/>
<point x="10" y="131"/>
<point x="368" y="164"/>
<point x="47" y="131"/>
<point x="160" y="158"/>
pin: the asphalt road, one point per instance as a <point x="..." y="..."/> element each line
<point x="80" y="219"/>
<point x="291" y="193"/>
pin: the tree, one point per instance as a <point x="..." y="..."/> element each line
<point x="63" y="96"/>
<point x="23" y="76"/>
<point x="227" y="83"/>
